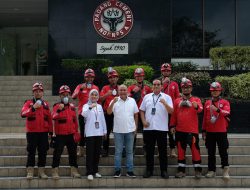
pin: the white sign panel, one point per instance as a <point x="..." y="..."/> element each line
<point x="112" y="48"/>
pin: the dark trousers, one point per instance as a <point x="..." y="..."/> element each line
<point x="82" y="129"/>
<point x="150" y="139"/>
<point x="222" y="142"/>
<point x="109" y="122"/>
<point x="93" y="151"/>
<point x="171" y="139"/>
<point x="68" y="141"/>
<point x="40" y="142"/>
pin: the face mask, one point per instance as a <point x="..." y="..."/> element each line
<point x="65" y="100"/>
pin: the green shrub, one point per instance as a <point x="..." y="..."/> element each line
<point x="83" y="64"/>
<point x="127" y="72"/>
<point x="184" y="66"/>
<point x="129" y="82"/>
<point x="237" y="86"/>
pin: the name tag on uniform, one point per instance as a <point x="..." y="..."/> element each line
<point x="153" y="111"/>
<point x="97" y="125"/>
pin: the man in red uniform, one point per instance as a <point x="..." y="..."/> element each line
<point x="214" y="129"/>
<point x="170" y="88"/>
<point x="138" y="91"/>
<point x="107" y="94"/>
<point x="82" y="94"/>
<point x="65" y="126"/>
<point x="184" y="121"/>
<point x="38" y="124"/>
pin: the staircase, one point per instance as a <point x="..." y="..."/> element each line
<point x="15" y="89"/>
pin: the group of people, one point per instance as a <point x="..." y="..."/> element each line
<point x="158" y="112"/>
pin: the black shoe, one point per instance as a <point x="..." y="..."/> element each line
<point x="131" y="174"/>
<point x="117" y="174"/>
<point x="105" y="153"/>
<point x="147" y="174"/>
<point x="164" y="175"/>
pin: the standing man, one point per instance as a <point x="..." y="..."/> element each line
<point x="154" y="112"/>
<point x="184" y="121"/>
<point x="170" y="88"/>
<point x="125" y="113"/>
<point x="38" y="123"/>
<point x="107" y="94"/>
<point x="214" y="130"/>
<point x="82" y="94"/>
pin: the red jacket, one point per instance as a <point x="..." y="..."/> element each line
<point x="82" y="95"/>
<point x="65" y="120"/>
<point x="171" y="89"/>
<point x="221" y="123"/>
<point x="185" y="119"/>
<point x="108" y="99"/>
<point x="37" y="120"/>
<point x="144" y="91"/>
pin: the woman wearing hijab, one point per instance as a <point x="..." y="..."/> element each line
<point x="95" y="129"/>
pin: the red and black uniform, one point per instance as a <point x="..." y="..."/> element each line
<point x="65" y="125"/>
<point x="185" y="121"/>
<point x="109" y="118"/>
<point x="38" y="125"/>
<point x="82" y="95"/>
<point x="216" y="132"/>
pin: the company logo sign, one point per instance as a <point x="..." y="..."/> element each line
<point x="113" y="19"/>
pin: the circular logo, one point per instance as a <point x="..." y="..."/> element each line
<point x="113" y="19"/>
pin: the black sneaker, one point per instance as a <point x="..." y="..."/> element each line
<point x="117" y="174"/>
<point x="131" y="174"/>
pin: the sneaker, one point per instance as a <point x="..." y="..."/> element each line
<point x="210" y="174"/>
<point x="131" y="174"/>
<point x="97" y="175"/>
<point x="197" y="174"/>
<point x="172" y="153"/>
<point x="225" y="174"/>
<point x="117" y="174"/>
<point x="90" y="177"/>
<point x="180" y="175"/>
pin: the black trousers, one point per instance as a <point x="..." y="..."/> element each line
<point x="82" y="129"/>
<point x="223" y="145"/>
<point x="171" y="139"/>
<point x="93" y="151"/>
<point x="150" y="139"/>
<point x="68" y="141"/>
<point x="40" y="142"/>
<point x="109" y="122"/>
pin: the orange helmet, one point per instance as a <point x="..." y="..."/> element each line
<point x="215" y="86"/>
<point x="37" y="86"/>
<point x="89" y="73"/>
<point x="112" y="73"/>
<point x="186" y="82"/>
<point x="64" y="88"/>
<point x="139" y="72"/>
<point x="166" y="66"/>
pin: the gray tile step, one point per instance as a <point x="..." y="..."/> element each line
<point x="22" y="98"/>
<point x="26" y="78"/>
<point x="139" y="160"/>
<point x="21" y="92"/>
<point x="20" y="171"/>
<point x="123" y="182"/>
<point x="18" y="128"/>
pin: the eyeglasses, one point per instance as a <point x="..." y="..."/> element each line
<point x="156" y="84"/>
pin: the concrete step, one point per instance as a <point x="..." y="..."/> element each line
<point x="20" y="171"/>
<point x="47" y="84"/>
<point x="20" y="128"/>
<point x="139" y="160"/>
<point x="22" y="98"/>
<point x="123" y="182"/>
<point x="21" y="92"/>
<point x="26" y="78"/>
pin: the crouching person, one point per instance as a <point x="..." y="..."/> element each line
<point x="38" y="121"/>
<point x="65" y="128"/>
<point x="95" y="129"/>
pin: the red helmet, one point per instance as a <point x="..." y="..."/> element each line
<point x="215" y="86"/>
<point x="186" y="82"/>
<point x="139" y="72"/>
<point x="37" y="86"/>
<point x="112" y="73"/>
<point x="166" y="66"/>
<point x="89" y="73"/>
<point x="64" y="88"/>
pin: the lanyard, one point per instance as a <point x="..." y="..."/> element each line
<point x="96" y="113"/>
<point x="155" y="102"/>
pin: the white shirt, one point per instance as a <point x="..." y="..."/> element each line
<point x="91" y="117"/>
<point x="158" y="121"/>
<point x="124" y="120"/>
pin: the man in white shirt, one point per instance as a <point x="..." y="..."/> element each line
<point x="154" y="112"/>
<point x="125" y="112"/>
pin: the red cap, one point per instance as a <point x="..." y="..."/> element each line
<point x="186" y="82"/>
<point x="64" y="88"/>
<point x="89" y="73"/>
<point x="112" y="73"/>
<point x="215" y="86"/>
<point x="166" y="66"/>
<point x="139" y="72"/>
<point x="37" y="86"/>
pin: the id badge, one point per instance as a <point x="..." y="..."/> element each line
<point x="97" y="125"/>
<point x="153" y="111"/>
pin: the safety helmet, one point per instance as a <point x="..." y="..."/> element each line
<point x="89" y="73"/>
<point x="139" y="72"/>
<point x="186" y="82"/>
<point x="112" y="73"/>
<point x="64" y="88"/>
<point x="37" y="86"/>
<point x="215" y="86"/>
<point x="166" y="66"/>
